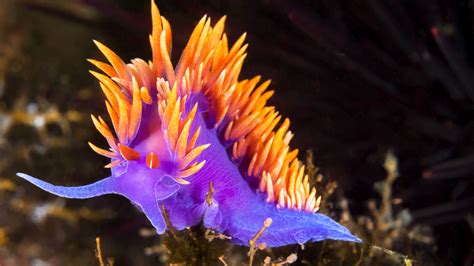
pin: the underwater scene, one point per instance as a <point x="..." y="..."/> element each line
<point x="268" y="132"/>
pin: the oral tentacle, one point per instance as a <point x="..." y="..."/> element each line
<point x="152" y="209"/>
<point x="101" y="187"/>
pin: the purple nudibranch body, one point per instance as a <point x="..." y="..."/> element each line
<point x="181" y="131"/>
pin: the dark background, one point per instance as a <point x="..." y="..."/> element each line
<point x="356" y="78"/>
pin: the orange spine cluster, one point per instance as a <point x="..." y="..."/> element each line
<point x="125" y="114"/>
<point x="127" y="87"/>
<point x="251" y="123"/>
<point x="206" y="66"/>
<point x="176" y="127"/>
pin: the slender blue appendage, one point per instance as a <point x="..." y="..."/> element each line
<point x="102" y="187"/>
<point x="110" y="185"/>
<point x="152" y="211"/>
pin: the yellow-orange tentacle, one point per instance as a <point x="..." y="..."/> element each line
<point x="176" y="124"/>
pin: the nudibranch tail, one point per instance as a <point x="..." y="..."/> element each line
<point x="202" y="144"/>
<point x="287" y="227"/>
<point x="99" y="188"/>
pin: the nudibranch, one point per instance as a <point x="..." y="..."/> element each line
<point x="202" y="144"/>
